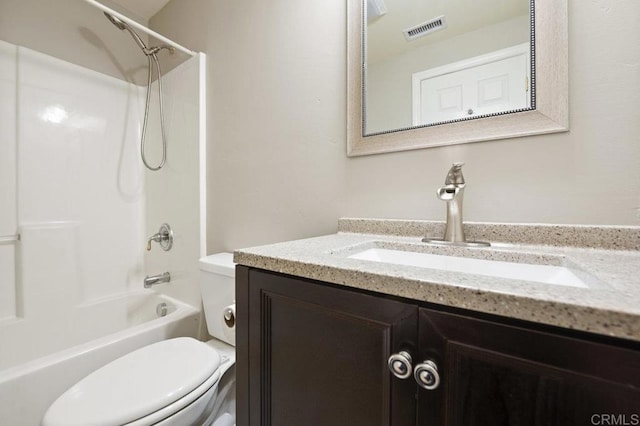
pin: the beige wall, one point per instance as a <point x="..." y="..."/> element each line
<point x="277" y="163"/>
<point x="76" y="32"/>
<point x="276" y="114"/>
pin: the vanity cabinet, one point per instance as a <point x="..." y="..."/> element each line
<point x="312" y="353"/>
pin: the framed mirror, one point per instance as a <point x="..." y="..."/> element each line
<point x="431" y="73"/>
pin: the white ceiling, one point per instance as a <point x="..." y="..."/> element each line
<point x="143" y="8"/>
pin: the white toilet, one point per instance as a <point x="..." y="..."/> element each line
<point x="179" y="381"/>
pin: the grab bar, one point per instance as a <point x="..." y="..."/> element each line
<point x="9" y="238"/>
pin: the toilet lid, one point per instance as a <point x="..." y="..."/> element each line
<point x="136" y="385"/>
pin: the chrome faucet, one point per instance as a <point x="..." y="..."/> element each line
<point x="453" y="194"/>
<point x="151" y="280"/>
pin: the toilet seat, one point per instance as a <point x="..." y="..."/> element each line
<point x="205" y="391"/>
<point x="142" y="387"/>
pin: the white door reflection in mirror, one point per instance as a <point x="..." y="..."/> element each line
<point x="484" y="85"/>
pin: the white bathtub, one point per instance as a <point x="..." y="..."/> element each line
<point x="106" y="330"/>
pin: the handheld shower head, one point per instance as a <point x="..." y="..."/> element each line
<point x="124" y="26"/>
<point x="115" y="21"/>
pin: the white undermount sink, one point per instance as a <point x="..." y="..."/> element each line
<point x="547" y="274"/>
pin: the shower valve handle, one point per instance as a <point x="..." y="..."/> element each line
<point x="164" y="237"/>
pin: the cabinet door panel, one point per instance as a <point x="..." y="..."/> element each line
<point x="489" y="388"/>
<point x="496" y="374"/>
<point x="318" y="355"/>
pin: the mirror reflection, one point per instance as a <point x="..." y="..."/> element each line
<point x="435" y="61"/>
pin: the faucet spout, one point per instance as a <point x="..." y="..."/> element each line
<point x="450" y="192"/>
<point x="453" y="194"/>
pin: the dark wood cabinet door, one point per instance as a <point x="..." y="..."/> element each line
<point x="496" y="374"/>
<point x="317" y="355"/>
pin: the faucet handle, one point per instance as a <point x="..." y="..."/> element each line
<point x="155" y="237"/>
<point x="164" y="237"/>
<point x="454" y="176"/>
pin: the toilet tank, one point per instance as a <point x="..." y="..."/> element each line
<point x="217" y="285"/>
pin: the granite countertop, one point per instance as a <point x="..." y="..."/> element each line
<point x="607" y="258"/>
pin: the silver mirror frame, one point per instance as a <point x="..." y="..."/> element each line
<point x="551" y="113"/>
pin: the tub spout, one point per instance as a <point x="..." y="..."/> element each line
<point x="151" y="280"/>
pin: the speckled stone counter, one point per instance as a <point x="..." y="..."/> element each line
<point x="609" y="256"/>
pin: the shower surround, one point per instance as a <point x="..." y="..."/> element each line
<point x="79" y="198"/>
<point x="73" y="187"/>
